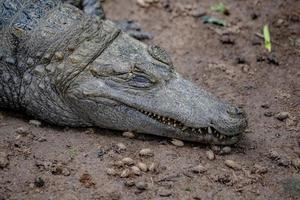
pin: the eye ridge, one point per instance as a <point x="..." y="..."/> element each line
<point x="160" y="54"/>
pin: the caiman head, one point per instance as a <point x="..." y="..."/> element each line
<point x="134" y="87"/>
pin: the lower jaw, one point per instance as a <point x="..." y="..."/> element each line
<point x="206" y="138"/>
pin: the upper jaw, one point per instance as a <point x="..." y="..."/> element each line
<point x="203" y="134"/>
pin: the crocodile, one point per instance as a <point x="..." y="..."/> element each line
<point x="68" y="68"/>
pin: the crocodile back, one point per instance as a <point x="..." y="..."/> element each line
<point x="44" y="46"/>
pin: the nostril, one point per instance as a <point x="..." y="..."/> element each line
<point x="235" y="111"/>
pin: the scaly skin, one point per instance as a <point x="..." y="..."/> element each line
<point x="66" y="68"/>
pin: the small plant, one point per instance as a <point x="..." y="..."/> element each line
<point x="267" y="37"/>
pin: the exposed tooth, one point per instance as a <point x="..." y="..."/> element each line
<point x="184" y="128"/>
<point x="209" y="130"/>
<point x="199" y="130"/>
<point x="221" y="137"/>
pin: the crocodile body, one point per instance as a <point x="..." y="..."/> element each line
<point x="70" y="69"/>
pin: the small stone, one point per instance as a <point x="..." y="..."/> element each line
<point x="41" y="139"/>
<point x="199" y="169"/>
<point x="152" y="167"/>
<point x="35" y="123"/>
<point x="128" y="161"/>
<point x="100" y="152"/>
<point x="146" y="152"/>
<point x="23" y="131"/>
<point x="86" y="180"/>
<point x="177" y="143"/>
<point x="111" y="172"/>
<point x="39" y="182"/>
<point x="227" y="39"/>
<point x="4" y="162"/>
<point x="142" y="3"/>
<point x="197" y="12"/>
<point x="282" y="116"/>
<point x="118" y="164"/>
<point x="274" y="155"/>
<point x="210" y="155"/>
<point x="135" y="170"/>
<point x="128" y="134"/>
<point x="296" y="163"/>
<point x="164" y="192"/>
<point x="233" y="165"/>
<point x="142" y="166"/>
<point x="268" y="114"/>
<point x="272" y="59"/>
<point x="129" y="183"/>
<point x="258" y="169"/>
<point x="65" y="172"/>
<point x="125" y="173"/>
<point x="141" y="185"/>
<point x="226" y="150"/>
<point x="121" y="146"/>
<point x="216" y="149"/>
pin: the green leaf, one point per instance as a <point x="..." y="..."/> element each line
<point x="221" y="8"/>
<point x="213" y="20"/>
<point x="267" y="38"/>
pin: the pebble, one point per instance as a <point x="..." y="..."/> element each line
<point x="216" y="149"/>
<point x="118" y="163"/>
<point x="136" y="170"/>
<point x="268" y="114"/>
<point x="226" y="150"/>
<point x="129" y="183"/>
<point x="23" y="131"/>
<point x="128" y="161"/>
<point x="125" y="173"/>
<point x="35" y="123"/>
<point x="272" y="59"/>
<point x="227" y="39"/>
<point x="141" y="185"/>
<point x="146" y="152"/>
<point x="258" y="169"/>
<point x="4" y="162"/>
<point x="39" y="182"/>
<point x="164" y="192"/>
<point x="121" y="146"/>
<point x="210" y="155"/>
<point x="142" y="166"/>
<point x="41" y="139"/>
<point x="177" y="143"/>
<point x="86" y="180"/>
<point x="152" y="167"/>
<point x="296" y="163"/>
<point x="233" y="165"/>
<point x="111" y="172"/>
<point x="65" y="172"/>
<point x="146" y="3"/>
<point x="128" y="134"/>
<point x="198" y="12"/>
<point x="142" y="3"/>
<point x="199" y="169"/>
<point x="282" y="116"/>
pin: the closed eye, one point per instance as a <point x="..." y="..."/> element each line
<point x="140" y="81"/>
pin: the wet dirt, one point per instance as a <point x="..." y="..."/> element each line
<point x="50" y="162"/>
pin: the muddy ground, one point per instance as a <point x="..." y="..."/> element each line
<point x="50" y="162"/>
